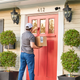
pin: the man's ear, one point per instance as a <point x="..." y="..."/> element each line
<point x="31" y="29"/>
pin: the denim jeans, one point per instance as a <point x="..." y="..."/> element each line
<point x="26" y="59"/>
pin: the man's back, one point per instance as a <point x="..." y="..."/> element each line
<point x="27" y="37"/>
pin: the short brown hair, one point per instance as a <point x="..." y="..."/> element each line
<point x="27" y="28"/>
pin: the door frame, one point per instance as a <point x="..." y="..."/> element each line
<point x="24" y="20"/>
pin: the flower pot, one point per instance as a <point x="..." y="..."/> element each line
<point x="10" y="46"/>
<point x="64" y="77"/>
<point x="8" y="75"/>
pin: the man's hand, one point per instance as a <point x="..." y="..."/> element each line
<point x="37" y="28"/>
<point x="32" y="44"/>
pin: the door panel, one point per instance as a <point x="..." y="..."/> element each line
<point x="42" y="53"/>
<point x="46" y="57"/>
<point x="50" y="59"/>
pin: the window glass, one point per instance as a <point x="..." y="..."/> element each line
<point x="42" y="26"/>
<point x="34" y="22"/>
<point x="51" y="26"/>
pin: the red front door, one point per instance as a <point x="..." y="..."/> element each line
<point x="46" y="57"/>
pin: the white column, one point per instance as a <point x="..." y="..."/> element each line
<point x="24" y="20"/>
<point x="60" y="42"/>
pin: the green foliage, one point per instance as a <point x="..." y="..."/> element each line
<point x="7" y="37"/>
<point x="70" y="61"/>
<point x="7" y="59"/>
<point x="72" y="38"/>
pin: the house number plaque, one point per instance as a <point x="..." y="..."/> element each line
<point x="41" y="9"/>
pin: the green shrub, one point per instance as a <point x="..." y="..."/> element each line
<point x="70" y="61"/>
<point x="7" y="37"/>
<point x="72" y="38"/>
<point x="7" y="59"/>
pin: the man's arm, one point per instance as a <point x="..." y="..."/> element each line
<point x="36" y="28"/>
<point x="32" y="44"/>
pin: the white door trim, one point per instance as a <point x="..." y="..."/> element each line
<point x="60" y="42"/>
<point x="24" y="20"/>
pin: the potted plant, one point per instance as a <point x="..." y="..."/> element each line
<point x="70" y="60"/>
<point x="8" y="58"/>
<point x="71" y="63"/>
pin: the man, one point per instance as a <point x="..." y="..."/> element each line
<point x="27" y="54"/>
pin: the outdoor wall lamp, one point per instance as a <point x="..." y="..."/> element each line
<point x="15" y="16"/>
<point x="67" y="13"/>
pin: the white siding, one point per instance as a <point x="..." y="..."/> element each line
<point x="9" y="25"/>
<point x="74" y="24"/>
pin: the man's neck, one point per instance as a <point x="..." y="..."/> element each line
<point x="28" y="30"/>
